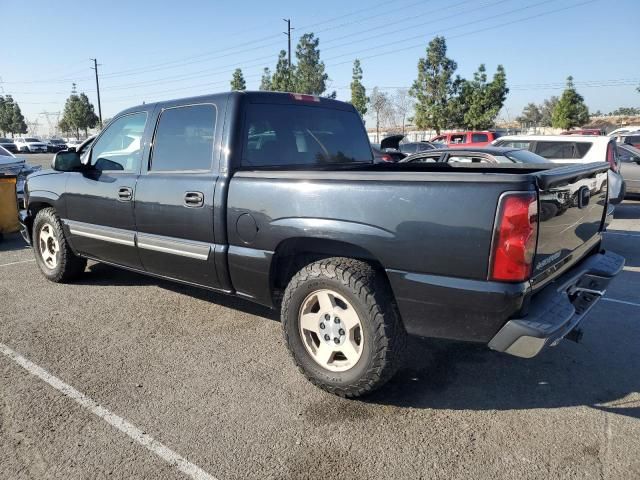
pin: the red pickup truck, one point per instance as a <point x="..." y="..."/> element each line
<point x="466" y="139"/>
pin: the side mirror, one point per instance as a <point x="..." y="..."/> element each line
<point x="66" y="161"/>
<point x="71" y="149"/>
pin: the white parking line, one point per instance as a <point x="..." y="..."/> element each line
<point x="16" y="263"/>
<point x="624" y="302"/>
<point x="112" y="419"/>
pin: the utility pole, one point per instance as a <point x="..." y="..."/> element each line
<point x="95" y="67"/>
<point x="288" y="34"/>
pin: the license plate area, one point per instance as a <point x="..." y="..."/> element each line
<point x="586" y="292"/>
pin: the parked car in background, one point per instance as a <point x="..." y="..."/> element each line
<point x="630" y="168"/>
<point x="12" y="165"/>
<point x="410" y="148"/>
<point x="30" y="145"/>
<point x="380" y="156"/>
<point x="566" y="148"/>
<point x="73" y="143"/>
<point x="56" y="145"/>
<point x="627" y="129"/>
<point x="584" y="131"/>
<point x="8" y="145"/>
<point x="487" y="155"/>
<point x="397" y="150"/>
<point x="631" y="138"/>
<point x="466" y="139"/>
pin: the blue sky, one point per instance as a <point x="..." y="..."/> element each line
<point x="154" y="50"/>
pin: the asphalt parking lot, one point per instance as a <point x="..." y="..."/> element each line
<point x="208" y="378"/>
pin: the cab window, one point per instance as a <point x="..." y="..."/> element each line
<point x="184" y="139"/>
<point x="119" y="148"/>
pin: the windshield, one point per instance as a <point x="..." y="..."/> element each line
<point x="31" y="140"/>
<point x="57" y="142"/>
<point x="525" y="156"/>
<point x="300" y="135"/>
<point x="5" y="140"/>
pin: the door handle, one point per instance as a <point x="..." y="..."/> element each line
<point x="193" y="199"/>
<point x="125" y="194"/>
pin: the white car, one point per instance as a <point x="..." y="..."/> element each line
<point x="73" y="143"/>
<point x="566" y="148"/>
<point x="620" y="131"/>
<point x="572" y="149"/>
<point x="12" y="165"/>
<point x="30" y="145"/>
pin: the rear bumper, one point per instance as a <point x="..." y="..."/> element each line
<point x="559" y="307"/>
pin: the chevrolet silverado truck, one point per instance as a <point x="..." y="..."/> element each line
<point x="274" y="197"/>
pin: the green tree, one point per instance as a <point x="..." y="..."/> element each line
<point x="435" y="87"/>
<point x="282" y="80"/>
<point x="78" y="115"/>
<point x="3" y="116"/>
<point x="11" y="118"/>
<point x="480" y="101"/>
<point x="531" y="115"/>
<point x="237" y="81"/>
<point x="265" y="82"/>
<point x="358" y="93"/>
<point x="571" y="110"/>
<point x="626" y="111"/>
<point x="310" y="77"/>
<point x="547" y="108"/>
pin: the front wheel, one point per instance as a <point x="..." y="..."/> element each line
<point x="341" y="326"/>
<point x="53" y="255"/>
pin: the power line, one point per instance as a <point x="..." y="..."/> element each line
<point x="258" y="61"/>
<point x="181" y="62"/>
<point x="421" y="44"/>
<point x="210" y="84"/>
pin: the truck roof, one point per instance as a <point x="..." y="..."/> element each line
<point x="253" y="97"/>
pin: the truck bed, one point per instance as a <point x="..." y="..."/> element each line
<point x="429" y="226"/>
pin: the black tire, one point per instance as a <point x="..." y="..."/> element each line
<point x="67" y="266"/>
<point x="383" y="334"/>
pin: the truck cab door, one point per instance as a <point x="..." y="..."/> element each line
<point x="99" y="200"/>
<point x="174" y="204"/>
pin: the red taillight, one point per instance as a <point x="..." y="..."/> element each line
<point x="387" y="158"/>
<point x="514" y="238"/>
<point x="611" y="157"/>
<point x="301" y="97"/>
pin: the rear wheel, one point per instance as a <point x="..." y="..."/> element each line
<point x="341" y="326"/>
<point x="53" y="255"/>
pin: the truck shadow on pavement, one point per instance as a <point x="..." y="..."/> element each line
<point x="600" y="373"/>
<point x="102" y="274"/>
<point x="12" y="242"/>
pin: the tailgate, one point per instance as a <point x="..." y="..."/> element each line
<point x="573" y="200"/>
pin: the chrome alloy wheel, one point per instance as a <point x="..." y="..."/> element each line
<point x="48" y="245"/>
<point x="331" y="330"/>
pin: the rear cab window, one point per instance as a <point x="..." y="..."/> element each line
<point x="292" y="135"/>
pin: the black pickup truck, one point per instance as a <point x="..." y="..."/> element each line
<point x="275" y="198"/>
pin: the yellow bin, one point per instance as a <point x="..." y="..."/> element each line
<point x="8" y="205"/>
